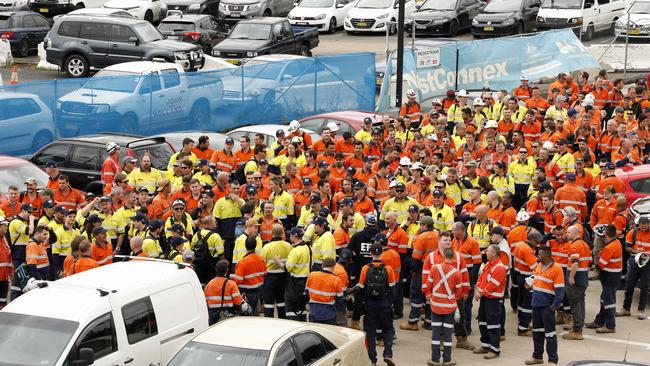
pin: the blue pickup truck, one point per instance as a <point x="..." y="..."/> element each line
<point x="265" y="36"/>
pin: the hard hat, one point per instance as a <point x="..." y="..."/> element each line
<point x="642" y="259"/>
<point x="111" y="146"/>
<point x="463" y="93"/>
<point x="294" y="126"/>
<point x="333" y="126"/>
<point x="479" y="101"/>
<point x="491" y="124"/>
<point x="523" y="216"/>
<point x="410" y="93"/>
<point x="547" y="145"/>
<point x="405" y="161"/>
<point x="524" y="77"/>
<point x="589" y="100"/>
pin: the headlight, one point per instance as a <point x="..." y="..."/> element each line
<point x="251" y="54"/>
<point x="180" y="55"/>
<point x="474" y="21"/>
<point x="254" y="6"/>
<point x="509" y="21"/>
<point x="216" y="53"/>
<point x="439" y="21"/>
<point x="383" y="16"/>
<point x="195" y="7"/>
<point x="575" y="21"/>
<point x="541" y="19"/>
<point x="222" y="6"/>
<point x="289" y="16"/>
<point x="102" y="108"/>
<point x="58" y="105"/>
<point x="320" y="16"/>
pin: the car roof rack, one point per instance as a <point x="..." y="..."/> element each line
<point x="146" y="259"/>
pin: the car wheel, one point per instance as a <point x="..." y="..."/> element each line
<point x="332" y="28"/>
<point x="612" y="28"/>
<point x="200" y="117"/>
<point x="519" y="29"/>
<point x="23" y="48"/>
<point x="589" y="34"/>
<point x="267" y="13"/>
<point x="41" y="139"/>
<point x="148" y="16"/>
<point x="392" y="29"/>
<point x="207" y="49"/>
<point x="304" y="51"/>
<point x="76" y="66"/>
<point x="80" y="6"/>
<point x="453" y="29"/>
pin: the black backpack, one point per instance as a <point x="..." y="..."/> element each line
<point x="201" y="250"/>
<point x="377" y="282"/>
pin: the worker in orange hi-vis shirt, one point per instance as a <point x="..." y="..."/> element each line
<point x="111" y="166"/>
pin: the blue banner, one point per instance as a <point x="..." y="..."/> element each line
<point x="497" y="63"/>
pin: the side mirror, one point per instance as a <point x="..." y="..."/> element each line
<point x="86" y="357"/>
<point x="588" y="5"/>
<point x="417" y="6"/>
<point x="340" y="6"/>
<point x="134" y="40"/>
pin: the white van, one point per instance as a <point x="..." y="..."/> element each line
<point x="589" y="16"/>
<point x="136" y="313"/>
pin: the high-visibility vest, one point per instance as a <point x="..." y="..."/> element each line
<point x="468" y="249"/>
<point x="250" y="271"/>
<point x="491" y="282"/>
<point x="324" y="287"/>
<point x="611" y="257"/>
<point x="37" y="255"/>
<point x="398" y="239"/>
<point x="221" y="292"/>
<point x="559" y="252"/>
<point x="436" y="257"/>
<point x="638" y="240"/>
<point x="524" y="259"/>
<point x="277" y="247"/>
<point x="102" y="254"/>
<point x="445" y="285"/>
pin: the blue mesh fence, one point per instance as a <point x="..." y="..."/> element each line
<point x="33" y="114"/>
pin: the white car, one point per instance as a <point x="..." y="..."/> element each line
<point x="253" y="341"/>
<point x="638" y="18"/>
<point x="98" y="12"/>
<point x="373" y="15"/>
<point x="268" y="130"/>
<point x="326" y="15"/>
<point x="19" y="110"/>
<point x="149" y="10"/>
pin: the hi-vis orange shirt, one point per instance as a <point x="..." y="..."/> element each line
<point x="398" y="239"/>
<point x="324" y="287"/>
<point x="103" y="254"/>
<point x="641" y="242"/>
<point x="437" y="258"/>
<point x="469" y="249"/>
<point x="216" y="299"/>
<point x="524" y="259"/>
<point x="444" y="288"/>
<point x="491" y="282"/>
<point x="250" y="271"/>
<point x="424" y="244"/>
<point x="611" y="257"/>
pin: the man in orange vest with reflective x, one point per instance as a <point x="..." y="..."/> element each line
<point x="324" y="288"/>
<point x="411" y="109"/>
<point x="111" y="166"/>
<point x="637" y="242"/>
<point x="249" y="274"/>
<point x="490" y="289"/>
<point x="444" y="289"/>
<point x="548" y="291"/>
<point x="610" y="264"/>
<point x="222" y="294"/>
<point x="576" y="280"/>
<point x="36" y="256"/>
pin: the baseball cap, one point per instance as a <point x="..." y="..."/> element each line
<point x="371" y="218"/>
<point x="202" y="162"/>
<point x="155" y="224"/>
<point x="324" y="212"/>
<point x="296" y="231"/>
<point x="376" y="249"/>
<point x="27" y="207"/>
<point x="572" y="112"/>
<point x="49" y="204"/>
<point x="351" y="170"/>
<point x="570" y="176"/>
<point x="306" y="181"/>
<point x="99" y="230"/>
<point x="610" y="165"/>
<point x="252" y="222"/>
<point x="497" y="230"/>
<point x="176" y="228"/>
<point x="381" y="239"/>
<point x="129" y="159"/>
<point x="400" y="185"/>
<point x="315" y="199"/>
<point x="50" y="164"/>
<point x="425" y="181"/>
<point x="426" y="220"/>
<point x="71" y="212"/>
<point x="320" y="221"/>
<point x="368" y="158"/>
<point x="162" y="184"/>
<point x="175" y="240"/>
<point x="393" y="183"/>
<point x="545" y="186"/>
<point x="279" y="132"/>
<point x="188" y="254"/>
<point x="359" y="185"/>
<point x="251" y="189"/>
<point x="263" y="162"/>
<point x="105" y="199"/>
<point x="94" y="218"/>
<point x="345" y="255"/>
<point x="562" y="141"/>
<point x="322" y="164"/>
<point x="436" y="192"/>
<point x="139" y="217"/>
<point x="31" y="180"/>
<point x="347" y="201"/>
<point x="230" y="141"/>
<point x="413" y="208"/>
<point x="60" y="209"/>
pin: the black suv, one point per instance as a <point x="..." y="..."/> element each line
<point x="80" y="42"/>
<point x="200" y="29"/>
<point x="81" y="157"/>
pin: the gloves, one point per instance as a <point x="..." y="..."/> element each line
<point x="457" y="316"/>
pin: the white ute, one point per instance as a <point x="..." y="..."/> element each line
<point x="136" y="313"/>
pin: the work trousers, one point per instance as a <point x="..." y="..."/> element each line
<point x="294" y="299"/>
<point x="544" y="329"/>
<point x="379" y="318"/>
<point x="473" y="277"/>
<point x="459" y="328"/>
<point x="521" y="195"/>
<point x="4" y="292"/>
<point x="418" y="300"/>
<point x="524" y="308"/>
<point x="489" y="323"/>
<point x="273" y="294"/>
<point x="634" y="275"/>
<point x="599" y="244"/>
<point x="576" y="297"/>
<point x="514" y="290"/>
<point x="405" y="275"/>
<point x="607" y="314"/>
<point x="253" y="296"/>
<point x="442" y="326"/>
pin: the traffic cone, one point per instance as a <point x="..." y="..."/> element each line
<point x="14" y="76"/>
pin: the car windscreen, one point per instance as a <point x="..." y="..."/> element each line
<point x="268" y="71"/>
<point x="439" y="5"/>
<point x="5" y="22"/>
<point x="27" y="340"/>
<point x="251" y="31"/>
<point x="113" y="80"/>
<point x="316" y="3"/>
<point x="196" y="353"/>
<point x="170" y="27"/>
<point x="147" y="32"/>
<point x="502" y="6"/>
<point x="640" y="7"/>
<point x="562" y="4"/>
<point x="159" y="154"/>
<point x="14" y="175"/>
<point x="374" y="4"/>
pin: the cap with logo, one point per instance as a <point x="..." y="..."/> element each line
<point x="176" y="228"/>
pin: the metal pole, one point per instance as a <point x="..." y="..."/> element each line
<point x="413" y="34"/>
<point x="627" y="39"/>
<point x="400" y="54"/>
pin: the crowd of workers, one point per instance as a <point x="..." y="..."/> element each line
<point x="511" y="196"/>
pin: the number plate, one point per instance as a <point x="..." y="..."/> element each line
<point x="173" y="37"/>
<point x="44" y="10"/>
<point x="362" y="24"/>
<point x="420" y="27"/>
<point x="302" y="23"/>
<point x="488" y="29"/>
<point x="635" y="31"/>
<point x="234" y="62"/>
<point x="235" y="15"/>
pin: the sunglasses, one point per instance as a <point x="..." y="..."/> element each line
<point x="257" y="178"/>
<point x="399" y="191"/>
<point x="179" y="209"/>
<point x="185" y="167"/>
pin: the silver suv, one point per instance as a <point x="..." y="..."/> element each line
<point x="81" y="42"/>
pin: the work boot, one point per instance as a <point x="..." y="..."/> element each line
<point x="568" y="319"/>
<point x="559" y="318"/>
<point x="641" y="316"/>
<point x="567" y="326"/>
<point x="463" y="343"/>
<point x="623" y="312"/>
<point x="408" y="326"/>
<point x="534" y="361"/>
<point x="433" y="363"/>
<point x="575" y="336"/>
<point x="525" y="333"/>
<point x="426" y="325"/>
<point x="592" y="325"/>
<point x="490" y="356"/>
<point x="605" y="330"/>
<point x="354" y="324"/>
<point x="389" y="361"/>
<point x="422" y="311"/>
<point x="449" y="363"/>
<point x="503" y="338"/>
<point x="480" y="351"/>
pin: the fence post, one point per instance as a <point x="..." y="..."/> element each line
<point x="316" y="66"/>
<point x="242" y="84"/>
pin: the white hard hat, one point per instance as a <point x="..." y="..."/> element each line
<point x="463" y="93"/>
<point x="436" y="101"/>
<point x="405" y="161"/>
<point x="642" y="259"/>
<point x="417" y="166"/>
<point x="333" y="126"/>
<point x="432" y="137"/>
<point x="523" y="77"/>
<point x="589" y="100"/>
<point x="547" y="145"/>
<point x="491" y="124"/>
<point x="296" y="139"/>
<point x="523" y="216"/>
<point x="479" y="101"/>
<point x="410" y="93"/>
<point x="393" y="183"/>
<point x="294" y="126"/>
<point x="111" y="146"/>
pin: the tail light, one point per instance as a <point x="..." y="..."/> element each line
<point x="130" y="152"/>
<point x="195" y="35"/>
<point x="7" y="35"/>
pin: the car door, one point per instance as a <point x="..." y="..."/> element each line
<point x="15" y="114"/>
<point x="94" y="37"/>
<point x="57" y="152"/>
<point x="99" y="336"/>
<point x="84" y="166"/>
<point x="286" y="355"/>
<point x="120" y="48"/>
<point x="175" y="99"/>
<point x="26" y="30"/>
<point x="529" y="14"/>
<point x="152" y="96"/>
<point x="281" y="43"/>
<point x="42" y="27"/>
<point x="142" y="345"/>
<point x="315" y="350"/>
<point x="314" y="124"/>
